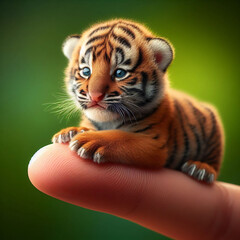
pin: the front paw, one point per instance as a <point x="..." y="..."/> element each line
<point x="89" y="146"/>
<point x="200" y="171"/>
<point x="66" y="135"/>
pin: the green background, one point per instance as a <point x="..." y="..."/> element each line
<point x="205" y="35"/>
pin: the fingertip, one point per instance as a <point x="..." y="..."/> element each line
<point x="33" y="163"/>
<point x="50" y="166"/>
<point x="37" y="155"/>
<point x="38" y="165"/>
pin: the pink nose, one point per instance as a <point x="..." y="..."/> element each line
<point x="96" y="97"/>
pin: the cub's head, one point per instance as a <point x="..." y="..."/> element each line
<point x="116" y="70"/>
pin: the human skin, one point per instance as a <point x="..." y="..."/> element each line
<point x="163" y="200"/>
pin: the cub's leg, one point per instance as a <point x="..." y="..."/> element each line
<point x="65" y="135"/>
<point x="119" y="147"/>
<point x="200" y="171"/>
<point x="207" y="166"/>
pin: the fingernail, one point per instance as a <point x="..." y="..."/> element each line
<point x="36" y="155"/>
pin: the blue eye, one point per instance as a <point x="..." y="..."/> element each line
<point x="120" y="73"/>
<point x="85" y="72"/>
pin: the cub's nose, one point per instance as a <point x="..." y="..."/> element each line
<point x="96" y="96"/>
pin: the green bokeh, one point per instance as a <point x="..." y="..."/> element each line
<point x="206" y="38"/>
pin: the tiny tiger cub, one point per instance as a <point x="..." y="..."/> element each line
<point x="117" y="76"/>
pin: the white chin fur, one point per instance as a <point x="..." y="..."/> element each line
<point x="100" y="115"/>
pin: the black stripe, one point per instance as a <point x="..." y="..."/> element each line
<point x="83" y="105"/>
<point x="82" y="92"/>
<point x="112" y="100"/>
<point x="93" y="39"/>
<point x="98" y="29"/>
<point x="154" y="83"/>
<point x="132" y="25"/>
<point x="124" y="90"/>
<point x="127" y="62"/>
<point x="213" y="131"/>
<point x="144" y="82"/>
<point x="83" y="60"/>
<point x="154" y="92"/>
<point x="200" y="119"/>
<point x="214" y="159"/>
<point x="94" y="55"/>
<point x="144" y="129"/>
<point x="88" y="50"/>
<point x="174" y="150"/>
<point x="139" y="61"/>
<point x="119" y="50"/>
<point x="116" y="60"/>
<point x="169" y="136"/>
<point x="99" y="52"/>
<point x="82" y="98"/>
<point x="156" y="137"/>
<point x="107" y="57"/>
<point x="213" y="150"/>
<point x="132" y="81"/>
<point x="121" y="40"/>
<point x="197" y="140"/>
<point x="185" y="136"/>
<point x="114" y="94"/>
<point x="196" y="136"/>
<point x="127" y="31"/>
<point x="111" y="49"/>
<point x="132" y="90"/>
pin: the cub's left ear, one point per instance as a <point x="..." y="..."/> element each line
<point x="163" y="52"/>
<point x="69" y="44"/>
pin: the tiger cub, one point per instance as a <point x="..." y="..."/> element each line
<point x="117" y="76"/>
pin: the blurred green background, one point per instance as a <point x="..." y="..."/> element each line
<point x="206" y="38"/>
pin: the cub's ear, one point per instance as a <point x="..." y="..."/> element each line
<point x="69" y="44"/>
<point x="163" y="52"/>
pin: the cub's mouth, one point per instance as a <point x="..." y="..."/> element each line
<point x="100" y="112"/>
<point x="97" y="105"/>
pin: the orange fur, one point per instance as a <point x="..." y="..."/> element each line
<point x="176" y="129"/>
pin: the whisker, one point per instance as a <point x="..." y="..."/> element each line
<point x="64" y="107"/>
<point x="122" y="112"/>
<point x="113" y="98"/>
<point x="127" y="111"/>
<point x="82" y="98"/>
<point x="117" y="110"/>
<point x="107" y="100"/>
<point x="112" y="102"/>
<point x="134" y="105"/>
<point x="131" y="112"/>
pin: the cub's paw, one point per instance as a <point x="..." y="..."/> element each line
<point x="200" y="171"/>
<point x="66" y="135"/>
<point x="90" y="146"/>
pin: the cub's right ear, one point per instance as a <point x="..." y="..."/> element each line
<point x="69" y="44"/>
